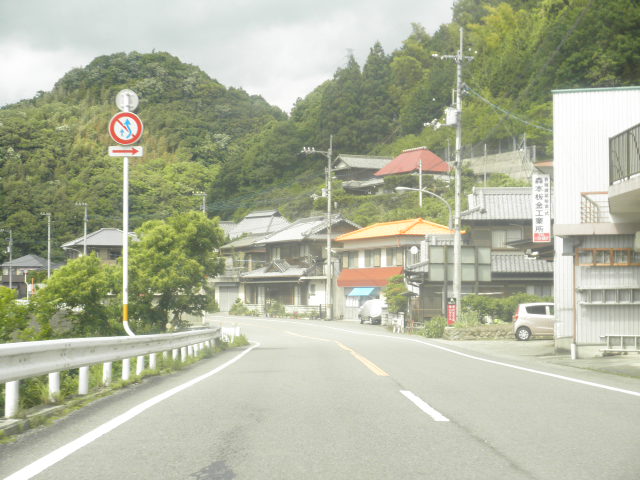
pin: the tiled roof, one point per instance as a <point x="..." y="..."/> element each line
<point x="414" y="226"/>
<point x="28" y="261"/>
<point x="259" y="222"/>
<point x="360" y="161"/>
<point x="304" y="228"/>
<point x="105" y="237"/>
<point x="499" y="203"/>
<point x="409" y="161"/>
<point x="517" y="262"/>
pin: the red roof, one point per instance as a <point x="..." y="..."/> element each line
<point x="367" y="277"/>
<point x="409" y="161"/>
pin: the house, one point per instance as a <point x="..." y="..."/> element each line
<point x="295" y="274"/>
<point x="106" y="243"/>
<point x="372" y="255"/>
<point x="416" y="160"/>
<point x="357" y="172"/>
<point x="292" y="271"/>
<point x="244" y="253"/>
<point x="597" y="216"/>
<point x="502" y="219"/>
<point x="19" y="268"/>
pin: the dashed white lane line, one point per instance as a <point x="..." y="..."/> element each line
<point x="424" y="406"/>
<point x="54" y="457"/>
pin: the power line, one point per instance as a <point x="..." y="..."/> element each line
<point x="506" y="112"/>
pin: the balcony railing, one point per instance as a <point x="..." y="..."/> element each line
<point x="624" y="155"/>
<point x="594" y="207"/>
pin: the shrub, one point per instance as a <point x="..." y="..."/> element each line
<point x="434" y="328"/>
<point x="239" y="308"/>
<point x="275" y="309"/>
<point x="499" y="309"/>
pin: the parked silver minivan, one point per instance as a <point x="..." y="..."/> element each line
<point x="533" y="320"/>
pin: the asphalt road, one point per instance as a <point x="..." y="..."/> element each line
<point x="330" y="400"/>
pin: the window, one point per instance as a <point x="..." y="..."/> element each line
<point x="391" y="257"/>
<point x="501" y="238"/>
<point x="372" y="258"/>
<point x="350" y="260"/>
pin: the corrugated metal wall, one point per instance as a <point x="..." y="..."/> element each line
<point x="583" y="122"/>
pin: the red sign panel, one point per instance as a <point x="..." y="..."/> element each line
<point x="451" y="313"/>
<point x="125" y="128"/>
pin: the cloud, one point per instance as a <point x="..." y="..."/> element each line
<point x="280" y="49"/>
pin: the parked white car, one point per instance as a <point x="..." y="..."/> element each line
<point x="371" y="311"/>
<point x="533" y="320"/>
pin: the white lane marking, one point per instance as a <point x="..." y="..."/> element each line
<point x="54" y="457"/>
<point x="486" y="360"/>
<point x="424" y="406"/>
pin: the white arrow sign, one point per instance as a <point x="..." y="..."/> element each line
<point x="121" y="151"/>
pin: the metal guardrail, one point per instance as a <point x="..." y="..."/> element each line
<point x="30" y="359"/>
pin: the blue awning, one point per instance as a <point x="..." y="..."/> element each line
<point x="361" y="292"/>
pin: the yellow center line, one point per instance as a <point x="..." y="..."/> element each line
<point x="365" y="361"/>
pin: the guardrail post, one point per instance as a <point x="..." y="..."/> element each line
<point x="139" y="364"/>
<point x="54" y="386"/>
<point x="183" y="354"/>
<point x="174" y="353"/>
<point x="152" y="361"/>
<point x="126" y="369"/>
<point x="83" y="381"/>
<point x="11" y="398"/>
<point x="107" y="372"/>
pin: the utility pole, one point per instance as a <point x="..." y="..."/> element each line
<point x="10" y="250"/>
<point x="204" y="200"/>
<point x="329" y="285"/>
<point x="86" y="219"/>
<point x="457" y="241"/>
<point x="48" y="215"/>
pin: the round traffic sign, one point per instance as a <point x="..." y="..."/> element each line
<point x="127" y="100"/>
<point x="125" y="128"/>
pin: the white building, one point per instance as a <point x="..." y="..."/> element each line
<point x="597" y="216"/>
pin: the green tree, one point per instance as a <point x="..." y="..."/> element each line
<point x="396" y="293"/>
<point x="14" y="318"/>
<point x="169" y="268"/>
<point x="79" y="296"/>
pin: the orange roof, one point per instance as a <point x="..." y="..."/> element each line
<point x="409" y="161"/>
<point x="414" y="226"/>
<point x="367" y="277"/>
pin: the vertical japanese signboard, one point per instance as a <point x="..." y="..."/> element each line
<point x="541" y="208"/>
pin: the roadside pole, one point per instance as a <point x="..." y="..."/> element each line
<point x="125" y="128"/>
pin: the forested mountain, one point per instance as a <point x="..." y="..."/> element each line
<point x="245" y="154"/>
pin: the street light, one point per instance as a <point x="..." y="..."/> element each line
<point x="86" y="219"/>
<point x="328" y="154"/>
<point x="48" y="215"/>
<point x="423" y="190"/>
<point x="10" y="250"/>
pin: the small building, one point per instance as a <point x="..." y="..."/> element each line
<point x="501" y="218"/>
<point x="106" y="243"/>
<point x="295" y="272"/>
<point x="357" y="172"/>
<point x="19" y="268"/>
<point x="419" y="160"/>
<point x="243" y="253"/>
<point x="597" y="216"/>
<point x="372" y="255"/>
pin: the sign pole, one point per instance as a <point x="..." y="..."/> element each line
<point x="126" y="129"/>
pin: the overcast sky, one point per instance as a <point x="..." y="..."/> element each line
<point x="280" y="49"/>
